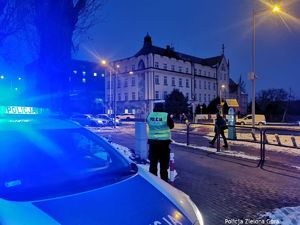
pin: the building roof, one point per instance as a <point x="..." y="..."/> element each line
<point x="170" y="52"/>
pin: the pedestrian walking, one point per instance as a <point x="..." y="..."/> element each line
<point x="159" y="138"/>
<point x="220" y="127"/>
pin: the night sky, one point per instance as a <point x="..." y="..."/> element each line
<point x="199" y="28"/>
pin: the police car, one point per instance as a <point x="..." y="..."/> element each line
<point x="54" y="171"/>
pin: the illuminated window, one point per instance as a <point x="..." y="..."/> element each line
<point x="95" y="74"/>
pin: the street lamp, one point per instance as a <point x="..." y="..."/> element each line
<point x="252" y="75"/>
<point x="104" y="63"/>
<point x="114" y="70"/>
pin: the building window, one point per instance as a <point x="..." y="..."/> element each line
<point x="214" y="96"/>
<point x="200" y="72"/>
<point x="126" y="96"/>
<point x="126" y="82"/>
<point x="165" y="66"/>
<point x="208" y="73"/>
<point x="180" y="69"/>
<point x="119" y="96"/>
<point x="172" y="67"/>
<point x="156" y="79"/>
<point x="133" y="95"/>
<point x="199" y="84"/>
<point x="173" y="81"/>
<point x="205" y="98"/>
<point x="208" y="84"/>
<point x="133" y="81"/>
<point x="165" y="80"/>
<point x="186" y="70"/>
<point x="187" y="83"/>
<point x="214" y="86"/>
<point x="119" y="83"/>
<point x="156" y="94"/>
<point x="156" y="65"/>
<point x="165" y="94"/>
<point x="133" y="67"/>
<point x="200" y="99"/>
<point x="195" y="96"/>
<point x="195" y="84"/>
<point x="224" y="76"/>
<point x="208" y="97"/>
<point x="205" y="84"/>
<point x="195" y="71"/>
<point x="180" y="82"/>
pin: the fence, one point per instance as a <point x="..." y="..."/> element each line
<point x="288" y="139"/>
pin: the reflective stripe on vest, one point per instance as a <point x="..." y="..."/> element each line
<point x="158" y="126"/>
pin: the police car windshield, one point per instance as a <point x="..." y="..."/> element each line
<point x="38" y="164"/>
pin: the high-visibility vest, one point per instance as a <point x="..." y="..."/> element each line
<point x="158" y="126"/>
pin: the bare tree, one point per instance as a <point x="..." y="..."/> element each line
<point x="14" y="14"/>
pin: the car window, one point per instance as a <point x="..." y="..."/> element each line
<point x="41" y="163"/>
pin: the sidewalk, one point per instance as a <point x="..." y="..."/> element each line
<point x="228" y="189"/>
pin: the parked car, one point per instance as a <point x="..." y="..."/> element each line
<point x="247" y="120"/>
<point x="58" y="172"/>
<point x="126" y="116"/>
<point x="88" y="120"/>
<point x="106" y="119"/>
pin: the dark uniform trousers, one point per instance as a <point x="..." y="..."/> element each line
<point x="159" y="151"/>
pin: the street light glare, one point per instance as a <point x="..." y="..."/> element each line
<point x="103" y="62"/>
<point x="276" y="9"/>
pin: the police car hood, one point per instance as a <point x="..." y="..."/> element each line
<point x="132" y="201"/>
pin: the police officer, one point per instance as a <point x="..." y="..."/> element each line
<point x="159" y="139"/>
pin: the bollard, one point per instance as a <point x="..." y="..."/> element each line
<point x="277" y="139"/>
<point x="294" y="141"/>
<point x="141" y="146"/>
<point x="172" y="168"/>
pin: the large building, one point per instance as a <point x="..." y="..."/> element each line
<point x="154" y="72"/>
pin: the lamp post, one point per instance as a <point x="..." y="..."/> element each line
<point x="221" y="103"/>
<point x="112" y="71"/>
<point x="104" y="63"/>
<point x="252" y="74"/>
<point x="115" y="95"/>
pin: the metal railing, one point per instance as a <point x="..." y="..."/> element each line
<point x="271" y="136"/>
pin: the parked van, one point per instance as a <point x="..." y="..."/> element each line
<point x="247" y="120"/>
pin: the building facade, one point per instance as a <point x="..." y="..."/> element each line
<point x="153" y="72"/>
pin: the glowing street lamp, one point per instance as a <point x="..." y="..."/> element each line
<point x="220" y="95"/>
<point x="252" y="75"/>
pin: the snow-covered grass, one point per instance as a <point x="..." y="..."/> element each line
<point x="283" y="216"/>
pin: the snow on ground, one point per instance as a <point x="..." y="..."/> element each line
<point x="283" y="216"/>
<point x="223" y="152"/>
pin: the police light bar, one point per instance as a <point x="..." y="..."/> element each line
<point x="22" y="110"/>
